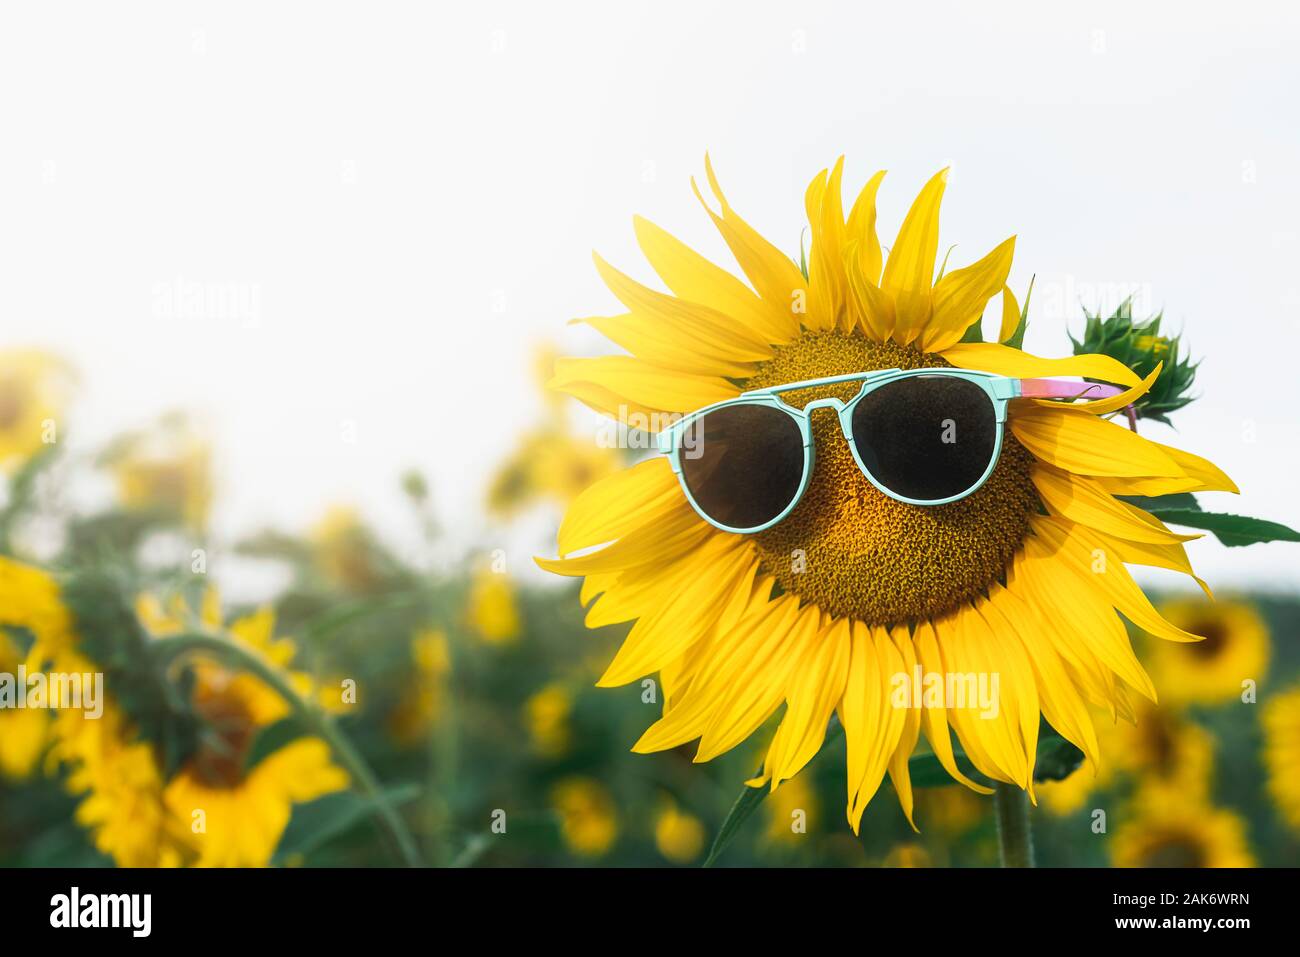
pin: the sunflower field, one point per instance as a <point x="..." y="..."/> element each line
<point x="664" y="687"/>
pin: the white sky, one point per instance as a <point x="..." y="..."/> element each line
<point x="406" y="198"/>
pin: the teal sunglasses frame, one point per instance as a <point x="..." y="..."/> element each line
<point x="1000" y="390"/>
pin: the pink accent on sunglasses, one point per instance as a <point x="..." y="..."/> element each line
<point x="1060" y="389"/>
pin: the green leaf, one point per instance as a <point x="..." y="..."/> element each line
<point x="271" y="739"/>
<point x="745" y="806"/>
<point x="1152" y="503"/>
<point x="320" y="821"/>
<point x="1017" y="340"/>
<point x="1232" y="530"/>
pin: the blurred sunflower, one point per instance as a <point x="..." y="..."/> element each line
<point x="24" y="732"/>
<point x="549" y="465"/>
<point x="678" y="836"/>
<point x="546" y="716"/>
<point x="34" y="388"/>
<point x="492" y="612"/>
<point x="907" y="855"/>
<point x="588" y="819"/>
<point x="167" y="470"/>
<point x="343" y="549"/>
<point x="1281" y="719"/>
<point x="122" y="787"/>
<point x="791" y="811"/>
<point x="1023" y="578"/>
<point x="1236" y="648"/>
<point x="422" y="703"/>
<point x="237" y="812"/>
<point x="1180" y="833"/>
<point x="951" y="810"/>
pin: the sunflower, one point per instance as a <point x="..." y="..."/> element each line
<point x="1180" y="833"/>
<point x="167" y="471"/>
<point x="588" y="819"/>
<point x="791" y="812"/>
<point x="493" y="612"/>
<point x="237" y="813"/>
<point x="421" y="704"/>
<point x="546" y="716"/>
<point x="24" y="732"/>
<point x="679" y="836"/>
<point x="1235" y="649"/>
<point x="121" y="788"/>
<point x="1281" y="720"/>
<point x="1163" y="750"/>
<point x="548" y="465"/>
<point x="343" y="549"/>
<point x="33" y="393"/>
<point x="1024" y="578"/>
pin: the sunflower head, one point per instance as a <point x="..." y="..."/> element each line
<point x="855" y="596"/>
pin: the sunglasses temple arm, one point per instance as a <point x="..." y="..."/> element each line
<point x="1059" y="389"/>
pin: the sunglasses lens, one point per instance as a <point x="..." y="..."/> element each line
<point x="743" y="464"/>
<point x="926" y="438"/>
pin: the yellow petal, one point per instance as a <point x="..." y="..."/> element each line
<point x="1004" y="360"/>
<point x="1086" y="445"/>
<point x="713" y="330"/>
<point x="681" y="619"/>
<point x="1115" y="402"/>
<point x="1010" y="315"/>
<point x="770" y="271"/>
<point x="934" y="721"/>
<point x="960" y="297"/>
<point x="874" y="306"/>
<point x="619" y="503"/>
<point x="763" y="631"/>
<point x="635" y="387"/>
<point x="692" y="277"/>
<point x="862" y="230"/>
<point x="899" y="770"/>
<point x="909" y="271"/>
<point x="815" y="690"/>
<point x="1085" y="554"/>
<point x="1083" y="500"/>
<point x="827" y="283"/>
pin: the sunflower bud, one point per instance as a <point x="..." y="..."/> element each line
<point x="1141" y="347"/>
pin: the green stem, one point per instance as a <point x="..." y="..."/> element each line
<point x="1015" y="843"/>
<point x="166" y="650"/>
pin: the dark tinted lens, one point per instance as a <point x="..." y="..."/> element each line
<point x="743" y="464"/>
<point x="926" y="437"/>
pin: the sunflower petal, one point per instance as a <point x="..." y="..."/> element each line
<point x="637" y="387"/>
<point x="815" y="690"/>
<point x="827" y="284"/>
<point x="874" y="306"/>
<point x="861" y="230"/>
<point x="1083" y="500"/>
<point x="692" y="277"/>
<point x="1010" y="315"/>
<point x="770" y="271"/>
<point x="1086" y="445"/>
<point x="1076" y="548"/>
<point x="909" y="271"/>
<point x="960" y="297"/>
<point x="1004" y="360"/>
<point x="934" y="721"/>
<point x="619" y="503"/>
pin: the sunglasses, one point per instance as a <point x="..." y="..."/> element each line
<point x="921" y="436"/>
